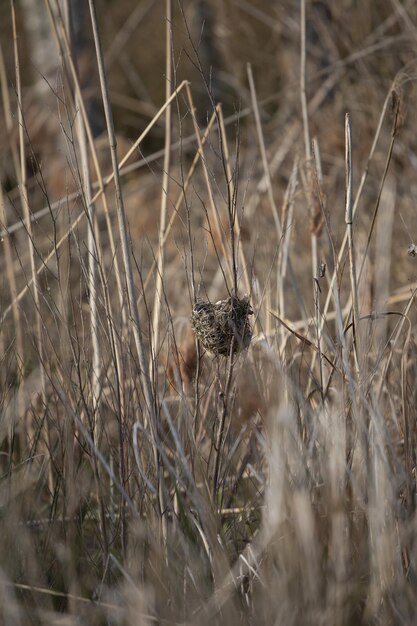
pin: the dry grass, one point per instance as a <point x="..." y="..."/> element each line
<point x="267" y="473"/>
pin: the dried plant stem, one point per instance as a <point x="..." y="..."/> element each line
<point x="161" y="256"/>
<point x="342" y="249"/>
<point x="123" y="168"/>
<point x="91" y="273"/>
<point x="3" y="214"/>
<point x="26" y="212"/>
<point x="286" y="142"/>
<point x="25" y="437"/>
<point x="267" y="179"/>
<point x="165" y="188"/>
<point x="316" y="269"/>
<point x="224" y="398"/>
<point x="303" y="94"/>
<point x="145" y="132"/>
<point x="11" y="279"/>
<point x="381" y="188"/>
<point x="8" y="255"/>
<point x="392" y="342"/>
<point x="382" y="256"/>
<point x="409" y="421"/>
<point x="262" y="148"/>
<point x="283" y="252"/>
<point x="349" y="226"/>
<point x="181" y="196"/>
<point x="232" y="194"/>
<point x="7" y="110"/>
<point x="94" y="265"/>
<point x="127" y="261"/>
<point x="345" y="364"/>
<point x="122" y="217"/>
<point x="77" y="220"/>
<point x="92" y="252"/>
<point x="213" y="207"/>
<point x="309" y="184"/>
<point x="65" y="48"/>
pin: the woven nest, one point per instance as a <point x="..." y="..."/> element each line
<point x="223" y="326"/>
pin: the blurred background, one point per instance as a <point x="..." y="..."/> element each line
<point x="124" y="520"/>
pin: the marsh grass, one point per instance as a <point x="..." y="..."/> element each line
<point x="143" y="479"/>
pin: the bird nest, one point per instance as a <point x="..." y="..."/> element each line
<point x="224" y="326"/>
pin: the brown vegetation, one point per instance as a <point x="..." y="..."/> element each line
<point x="267" y="473"/>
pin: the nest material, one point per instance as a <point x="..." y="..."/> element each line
<point x="223" y="326"/>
